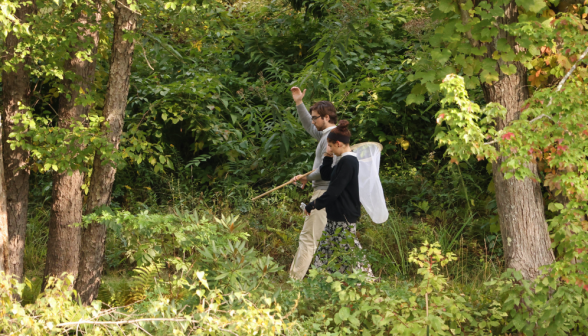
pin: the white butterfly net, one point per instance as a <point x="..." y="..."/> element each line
<point x="371" y="193"/>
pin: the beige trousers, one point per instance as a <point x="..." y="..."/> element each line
<point x="314" y="224"/>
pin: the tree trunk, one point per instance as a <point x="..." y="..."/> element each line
<point x="93" y="237"/>
<point x="16" y="89"/>
<point x="4" y="243"/>
<point x="525" y="234"/>
<point x="63" y="246"/>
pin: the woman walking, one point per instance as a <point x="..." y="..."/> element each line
<point x="339" y="246"/>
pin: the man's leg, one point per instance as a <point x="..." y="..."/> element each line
<point x="314" y="224"/>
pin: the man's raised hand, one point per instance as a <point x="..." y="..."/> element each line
<point x="297" y="95"/>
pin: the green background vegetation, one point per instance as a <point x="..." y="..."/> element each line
<point x="210" y="123"/>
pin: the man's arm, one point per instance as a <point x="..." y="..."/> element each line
<point x="305" y="117"/>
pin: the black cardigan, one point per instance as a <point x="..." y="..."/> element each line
<point x="342" y="197"/>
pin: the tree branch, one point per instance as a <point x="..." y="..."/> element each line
<point x="145" y="56"/>
<point x="568" y="74"/>
<point x="563" y="80"/>
<point x="160" y="319"/>
<point x="111" y="6"/>
<point x="540" y="117"/>
<point x="134" y="12"/>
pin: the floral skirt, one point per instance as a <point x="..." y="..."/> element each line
<point x="339" y="249"/>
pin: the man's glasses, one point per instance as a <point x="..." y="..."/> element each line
<point x="315" y="118"/>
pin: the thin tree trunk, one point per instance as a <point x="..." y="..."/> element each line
<point x="63" y="246"/>
<point x="4" y="243"/>
<point x="16" y="90"/>
<point x="525" y="234"/>
<point x="93" y="237"/>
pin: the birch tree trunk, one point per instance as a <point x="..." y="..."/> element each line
<point x="16" y="90"/>
<point x="524" y="230"/>
<point x="103" y="174"/>
<point x="63" y="246"/>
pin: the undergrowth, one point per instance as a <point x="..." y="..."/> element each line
<point x="175" y="255"/>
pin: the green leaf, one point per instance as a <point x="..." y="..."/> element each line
<point x="534" y="6"/>
<point x="511" y="69"/>
<point x="446" y="6"/>
<point x="344" y="313"/>
<point x="441" y="55"/>
<point x="502" y="45"/>
<point x="427" y="76"/>
<point x="431" y="87"/>
<point x="489" y="77"/>
<point x="415" y="99"/>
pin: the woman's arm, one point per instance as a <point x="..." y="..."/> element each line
<point x="336" y="187"/>
<point x="326" y="169"/>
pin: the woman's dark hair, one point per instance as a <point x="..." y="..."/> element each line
<point x="340" y="133"/>
<point x="325" y="108"/>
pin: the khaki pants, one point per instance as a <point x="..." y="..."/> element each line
<point x="314" y="224"/>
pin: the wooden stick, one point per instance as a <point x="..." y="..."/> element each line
<point x="278" y="187"/>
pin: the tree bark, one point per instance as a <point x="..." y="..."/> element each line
<point x="103" y="174"/>
<point x="64" y="235"/>
<point x="16" y="90"/>
<point x="4" y="243"/>
<point x="525" y="233"/>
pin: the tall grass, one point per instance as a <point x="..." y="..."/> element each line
<point x="37" y="235"/>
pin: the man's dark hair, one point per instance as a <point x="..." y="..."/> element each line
<point x="325" y="108"/>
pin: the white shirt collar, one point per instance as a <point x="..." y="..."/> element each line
<point x="349" y="153"/>
<point x="328" y="129"/>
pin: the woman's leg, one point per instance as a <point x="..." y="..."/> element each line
<point x="339" y="249"/>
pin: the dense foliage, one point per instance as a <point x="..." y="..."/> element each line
<point x="210" y="123"/>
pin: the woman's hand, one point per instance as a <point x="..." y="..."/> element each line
<point x="329" y="151"/>
<point x="309" y="208"/>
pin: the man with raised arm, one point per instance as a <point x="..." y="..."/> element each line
<point x="318" y="123"/>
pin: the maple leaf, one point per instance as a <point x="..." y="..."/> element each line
<point x="441" y="116"/>
<point x="525" y="107"/>
<point x="508" y="136"/>
<point x="563" y="61"/>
